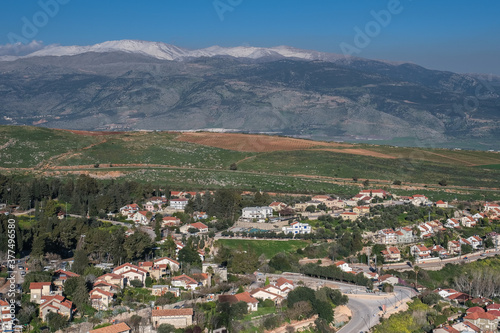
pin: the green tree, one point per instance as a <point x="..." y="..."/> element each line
<point x="136" y="245"/>
<point x="81" y="262"/>
<point x="189" y="255"/>
<point x="166" y="328"/>
<point x="56" y="321"/>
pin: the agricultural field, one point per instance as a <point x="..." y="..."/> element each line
<point x="202" y="160"/>
<point x="267" y="247"/>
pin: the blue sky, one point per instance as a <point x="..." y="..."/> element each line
<point x="462" y="36"/>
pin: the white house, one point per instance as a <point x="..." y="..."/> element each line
<point x="297" y="228"/>
<point x="343" y="266"/>
<point x="475" y="241"/>
<point x="256" y="212"/>
<point x="452" y="223"/>
<point x="140" y="217"/>
<point x="178" y="203"/>
<point x="202" y="228"/>
<point x="420" y="250"/>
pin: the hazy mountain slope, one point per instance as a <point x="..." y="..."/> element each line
<point x="323" y="99"/>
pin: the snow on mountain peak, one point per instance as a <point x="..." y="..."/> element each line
<point x="165" y="51"/>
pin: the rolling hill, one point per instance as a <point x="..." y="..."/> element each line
<point x="202" y="160"/>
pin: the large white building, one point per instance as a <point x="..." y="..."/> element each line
<point x="178" y="203"/>
<point x="257" y="212"/>
<point x="297" y="228"/>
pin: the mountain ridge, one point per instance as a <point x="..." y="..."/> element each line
<point x="353" y="100"/>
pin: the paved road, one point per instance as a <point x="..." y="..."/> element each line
<point x="366" y="307"/>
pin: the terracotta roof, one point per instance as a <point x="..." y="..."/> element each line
<point x="118" y="328"/>
<point x="167" y="258"/>
<point x="3" y="303"/>
<point x="198" y="225"/>
<point x="480" y="315"/>
<point x="493" y="307"/>
<point x="246" y="297"/>
<point x="185" y="278"/>
<point x="450" y="329"/>
<point x="106" y="293"/>
<point x="475" y="309"/>
<point x="282" y="281"/>
<point x="172" y="312"/>
<point x="69" y="274"/>
<point x="253" y="292"/>
<point x="472" y="326"/>
<point x="39" y="285"/>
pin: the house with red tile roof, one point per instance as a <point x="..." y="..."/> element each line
<point x="475" y="241"/>
<point x="170" y="221"/>
<point x="485" y="321"/>
<point x="454" y="247"/>
<point x="103" y="285"/>
<point x="343" y="266"/>
<point x="173" y="264"/>
<point x="117" y="328"/>
<point x="140" y="217"/>
<point x="260" y="293"/>
<point x="387" y="236"/>
<point x="420" y="251"/>
<point x="101" y="299"/>
<point x="112" y="278"/>
<point x="445" y="329"/>
<point x="6" y="322"/>
<point x="202" y="228"/>
<point x="39" y="290"/>
<point x="57" y="304"/>
<point x="452" y="223"/>
<point x="441" y="204"/>
<point x="391" y="254"/>
<point x="185" y="282"/>
<point x="179" y="318"/>
<point x="277" y="206"/>
<point x="60" y="276"/>
<point x="245" y="296"/>
<point x="475" y="309"/>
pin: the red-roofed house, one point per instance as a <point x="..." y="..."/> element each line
<point x="60" y="276"/>
<point x="101" y="299"/>
<point x="185" y="282"/>
<point x="202" y="228"/>
<point x="39" y="290"/>
<point x="475" y="309"/>
<point x="173" y="264"/>
<point x="445" y="329"/>
<point x="441" y="204"/>
<point x="392" y="253"/>
<point x="284" y="285"/>
<point x="485" y="321"/>
<point x="387" y="236"/>
<point x="454" y="247"/>
<point x="452" y="223"/>
<point x="170" y="221"/>
<point x="6" y="322"/>
<point x="140" y="217"/>
<point x="475" y="241"/>
<point x="112" y="278"/>
<point x="58" y="304"/>
<point x="277" y="206"/>
<point x="103" y="285"/>
<point x="343" y="266"/>
<point x="374" y="193"/>
<point x="264" y="294"/>
<point x="420" y="251"/>
<point x="252" y="303"/>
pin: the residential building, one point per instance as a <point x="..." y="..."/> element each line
<point x="264" y="294"/>
<point x="404" y="235"/>
<point x="454" y="247"/>
<point x="160" y="290"/>
<point x="343" y="266"/>
<point x="113" y="279"/>
<point x="170" y="221"/>
<point x="297" y="228"/>
<point x="6" y="322"/>
<point x="39" y="290"/>
<point x="179" y="204"/>
<point x="485" y="321"/>
<point x="101" y="299"/>
<point x="256" y="212"/>
<point x="174" y="265"/>
<point x="185" y="282"/>
<point x="441" y="204"/>
<point x="277" y="206"/>
<point x="391" y="254"/>
<point x="140" y="217"/>
<point x="387" y="236"/>
<point x="387" y="278"/>
<point x="351" y="216"/>
<point x="57" y="304"/>
<point x="475" y="241"/>
<point x="420" y="251"/>
<point x="60" y="276"/>
<point x="376" y="193"/>
<point x="452" y="223"/>
<point x="179" y="318"/>
<point x="218" y="271"/>
<point x="284" y="285"/>
<point x="252" y="302"/>
<point x="202" y="228"/>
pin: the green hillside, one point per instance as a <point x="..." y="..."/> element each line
<point x="297" y="166"/>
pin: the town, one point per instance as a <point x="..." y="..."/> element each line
<point x="240" y="261"/>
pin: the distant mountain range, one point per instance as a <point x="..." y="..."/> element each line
<point x="139" y="85"/>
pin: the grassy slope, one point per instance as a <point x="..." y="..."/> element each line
<point x="201" y="166"/>
<point x="267" y="247"/>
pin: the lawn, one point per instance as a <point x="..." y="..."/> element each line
<point x="267" y="247"/>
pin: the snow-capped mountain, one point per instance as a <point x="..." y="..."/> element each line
<point x="165" y="51"/>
